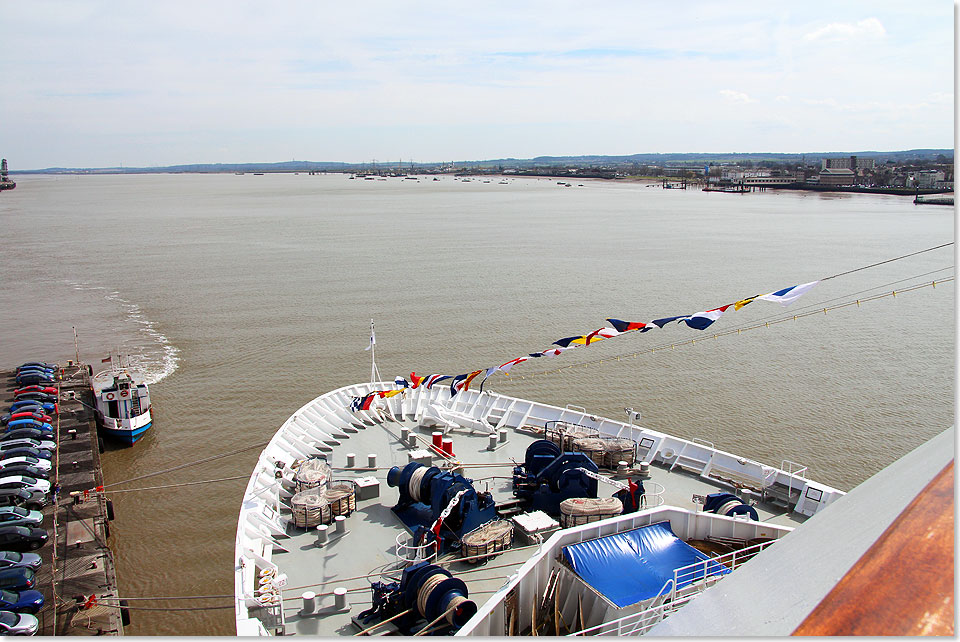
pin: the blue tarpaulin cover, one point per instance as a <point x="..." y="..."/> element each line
<point x="633" y="566"/>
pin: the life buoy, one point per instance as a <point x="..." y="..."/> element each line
<point x="124" y="393"/>
<point x="109" y="396"/>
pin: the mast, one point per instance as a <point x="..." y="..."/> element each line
<point x="374" y="371"/>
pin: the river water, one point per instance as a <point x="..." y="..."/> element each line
<point x="243" y="297"/>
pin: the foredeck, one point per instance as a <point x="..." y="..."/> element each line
<point x="366" y="549"/>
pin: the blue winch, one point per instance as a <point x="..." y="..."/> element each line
<point x="548" y="476"/>
<point x="728" y="504"/>
<point x="426" y="492"/>
<point x="429" y="594"/>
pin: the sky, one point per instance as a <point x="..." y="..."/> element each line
<point x="143" y="83"/>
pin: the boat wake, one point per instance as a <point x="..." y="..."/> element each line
<point x="148" y="350"/>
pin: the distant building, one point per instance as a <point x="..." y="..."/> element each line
<point x="849" y="162"/>
<point x="836" y="177"/>
<point x="925" y="178"/>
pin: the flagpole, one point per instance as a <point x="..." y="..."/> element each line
<point x="374" y="371"/>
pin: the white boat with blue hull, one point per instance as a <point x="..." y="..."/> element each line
<point x="123" y="404"/>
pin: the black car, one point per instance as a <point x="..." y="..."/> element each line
<point x="18" y="450"/>
<point x="26" y="470"/>
<point x="17" y="579"/>
<point x="31" y="432"/>
<point x="21" y="538"/>
<point x="35" y="380"/>
<point x="19" y="497"/>
<point x="42" y="397"/>
<point x="12" y="559"/>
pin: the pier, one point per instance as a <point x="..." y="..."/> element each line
<point x="77" y="576"/>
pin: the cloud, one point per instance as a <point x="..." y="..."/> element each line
<point x="867" y="28"/>
<point x="736" y="97"/>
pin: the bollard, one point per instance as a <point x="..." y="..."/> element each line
<point x="448" y="446"/>
<point x="503" y="435"/>
<point x="351" y="459"/>
<point x="76" y="465"/>
<point x="309" y="602"/>
<point x="404" y="434"/>
<point x="322" y="534"/>
<point x="340" y="523"/>
<point x="412" y="440"/>
<point x="621" y="467"/>
<point x="340" y="598"/>
<point x="72" y="433"/>
<point x="438" y="440"/>
<point x="492" y="444"/>
<point x="372" y="460"/>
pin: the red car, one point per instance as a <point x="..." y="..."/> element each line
<point x="30" y="415"/>
<point x="48" y="390"/>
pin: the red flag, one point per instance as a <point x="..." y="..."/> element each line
<point x="107" y="360"/>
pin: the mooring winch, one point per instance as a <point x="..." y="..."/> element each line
<point x="427" y="493"/>
<point x="428" y="593"/>
<point x="729" y="504"/>
<point x="548" y="476"/>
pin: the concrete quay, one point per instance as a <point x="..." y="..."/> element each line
<point x="77" y="577"/>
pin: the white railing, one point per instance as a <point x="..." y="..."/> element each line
<point x="408" y="553"/>
<point x="636" y="623"/>
<point x="788" y="467"/>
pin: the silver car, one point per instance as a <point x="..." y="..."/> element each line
<point x="38" y="488"/>
<point x="16" y="516"/>
<point x="18" y="623"/>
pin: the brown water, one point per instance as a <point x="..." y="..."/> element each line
<point x="243" y="297"/>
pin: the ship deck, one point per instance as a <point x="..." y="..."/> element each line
<point x="366" y="549"/>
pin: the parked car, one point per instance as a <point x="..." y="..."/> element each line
<point x="26" y="433"/>
<point x="29" y="601"/>
<point x="6" y="449"/>
<point x="44" y="389"/>
<point x="22" y="538"/>
<point x="33" y="370"/>
<point x="42" y="445"/>
<point x="29" y="423"/>
<point x="18" y="623"/>
<point x="36" y="367"/>
<point x="7" y="461"/>
<point x="35" y="396"/>
<point x="13" y="559"/>
<point x="38" y="487"/>
<point x="17" y="578"/>
<point x="34" y="406"/>
<point x="35" y="379"/>
<point x="41" y="364"/>
<point x="26" y="414"/>
<point x="20" y="497"/>
<point x="17" y="516"/>
<point x="27" y="471"/>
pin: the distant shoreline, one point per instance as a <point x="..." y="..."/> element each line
<point x="891" y="191"/>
